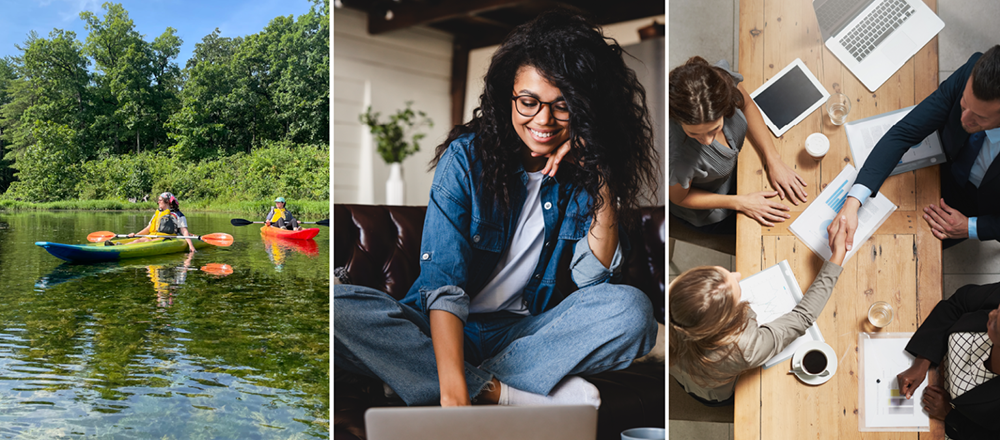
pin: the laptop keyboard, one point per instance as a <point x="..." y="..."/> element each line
<point x="867" y="35"/>
<point x="829" y="13"/>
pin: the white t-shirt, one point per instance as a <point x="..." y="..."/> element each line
<point x="503" y="291"/>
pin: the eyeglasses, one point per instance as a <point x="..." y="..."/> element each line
<point x="528" y="107"/>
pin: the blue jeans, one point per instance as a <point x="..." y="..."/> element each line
<point x="598" y="328"/>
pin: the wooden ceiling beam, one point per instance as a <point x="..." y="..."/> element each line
<point x="406" y="14"/>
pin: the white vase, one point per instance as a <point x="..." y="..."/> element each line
<point x="394" y="193"/>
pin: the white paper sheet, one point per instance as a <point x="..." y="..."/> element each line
<point x="884" y="408"/>
<point x="771" y="293"/>
<point x="863" y="134"/>
<point x="811" y="225"/>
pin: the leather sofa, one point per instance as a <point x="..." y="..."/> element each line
<point x="378" y="246"/>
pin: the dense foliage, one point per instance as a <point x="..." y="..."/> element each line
<point x="113" y="117"/>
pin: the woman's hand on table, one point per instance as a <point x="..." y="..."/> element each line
<point x="758" y="207"/>
<point x="839" y="242"/>
<point x="937" y="402"/>
<point x="786" y="182"/>
<point x="912" y="377"/>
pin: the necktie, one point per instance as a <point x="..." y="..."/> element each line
<point x="962" y="166"/>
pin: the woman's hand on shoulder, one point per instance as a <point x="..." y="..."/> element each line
<point x="758" y="207"/>
<point x="839" y="242"/>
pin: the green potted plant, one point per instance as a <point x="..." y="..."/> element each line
<point x="390" y="138"/>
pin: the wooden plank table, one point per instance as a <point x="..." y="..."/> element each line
<point x="900" y="264"/>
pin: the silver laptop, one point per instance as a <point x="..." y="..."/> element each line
<point x="572" y="422"/>
<point x="874" y="38"/>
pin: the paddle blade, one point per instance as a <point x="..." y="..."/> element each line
<point x="324" y="222"/>
<point x="99" y="236"/>
<point x="220" y="269"/>
<point x="218" y="239"/>
<point x="240" y="222"/>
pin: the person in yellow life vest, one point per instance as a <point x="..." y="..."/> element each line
<point x="280" y="216"/>
<point x="168" y="220"/>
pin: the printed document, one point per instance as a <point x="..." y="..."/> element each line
<point x="882" y="356"/>
<point x="811" y="225"/>
<point x="771" y="293"/>
<point x="863" y="134"/>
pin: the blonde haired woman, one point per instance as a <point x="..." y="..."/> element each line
<point x="714" y="336"/>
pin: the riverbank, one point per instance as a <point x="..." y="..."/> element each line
<point x="306" y="210"/>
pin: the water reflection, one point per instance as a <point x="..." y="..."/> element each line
<point x="278" y="248"/>
<point x="160" y="347"/>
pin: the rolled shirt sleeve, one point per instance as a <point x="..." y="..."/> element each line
<point x="587" y="270"/>
<point x="451" y="299"/>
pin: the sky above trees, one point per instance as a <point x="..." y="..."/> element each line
<point x="193" y="19"/>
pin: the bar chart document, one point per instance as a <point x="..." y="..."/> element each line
<point x="811" y="225"/>
<point x="883" y="407"/>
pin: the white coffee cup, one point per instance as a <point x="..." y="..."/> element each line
<point x="817" y="357"/>
<point x="817" y="145"/>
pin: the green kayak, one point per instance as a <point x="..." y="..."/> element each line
<point x="96" y="252"/>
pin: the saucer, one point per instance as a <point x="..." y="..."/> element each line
<point x="831" y="357"/>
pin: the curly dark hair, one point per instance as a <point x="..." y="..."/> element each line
<point x="610" y="129"/>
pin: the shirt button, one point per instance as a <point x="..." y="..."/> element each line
<point x="548" y="243"/>
<point x="425" y="256"/>
<point x="547" y="205"/>
<point x="538" y="276"/>
<point x="475" y="238"/>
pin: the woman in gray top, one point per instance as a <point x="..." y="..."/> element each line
<point x="714" y="336"/>
<point x="710" y="116"/>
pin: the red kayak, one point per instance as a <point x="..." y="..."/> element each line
<point x="303" y="234"/>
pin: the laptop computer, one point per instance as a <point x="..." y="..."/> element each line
<point x="874" y="38"/>
<point x="863" y="134"/>
<point x="553" y="422"/>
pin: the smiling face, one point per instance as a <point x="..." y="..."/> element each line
<point x="542" y="134"/>
<point x="703" y="133"/>
<point x="978" y="115"/>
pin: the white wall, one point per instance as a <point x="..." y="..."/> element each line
<point x="626" y="32"/>
<point x="385" y="71"/>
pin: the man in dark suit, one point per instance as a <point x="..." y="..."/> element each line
<point x="953" y="335"/>
<point x="965" y="110"/>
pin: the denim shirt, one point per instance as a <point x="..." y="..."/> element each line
<point x="465" y="234"/>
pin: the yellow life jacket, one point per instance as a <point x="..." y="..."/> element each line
<point x="278" y="213"/>
<point x="154" y="224"/>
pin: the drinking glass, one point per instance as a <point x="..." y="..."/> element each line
<point x="838" y="107"/>
<point x="880" y="314"/>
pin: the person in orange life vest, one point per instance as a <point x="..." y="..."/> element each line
<point x="281" y="217"/>
<point x="168" y="220"/>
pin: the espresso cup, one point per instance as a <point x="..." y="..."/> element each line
<point x="814" y="363"/>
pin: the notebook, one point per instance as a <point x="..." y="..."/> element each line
<point x="874" y="38"/>
<point x="772" y="293"/>
<point x="554" y="422"/>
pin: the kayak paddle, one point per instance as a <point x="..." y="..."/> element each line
<point x="215" y="239"/>
<point x="243" y="222"/>
<point x="221" y="269"/>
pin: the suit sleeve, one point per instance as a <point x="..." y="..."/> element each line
<point x="961" y="426"/>
<point x="931" y="338"/>
<point x="769" y="339"/>
<point x="988" y="227"/>
<point x="931" y="114"/>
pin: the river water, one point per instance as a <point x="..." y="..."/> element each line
<point x="156" y="348"/>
